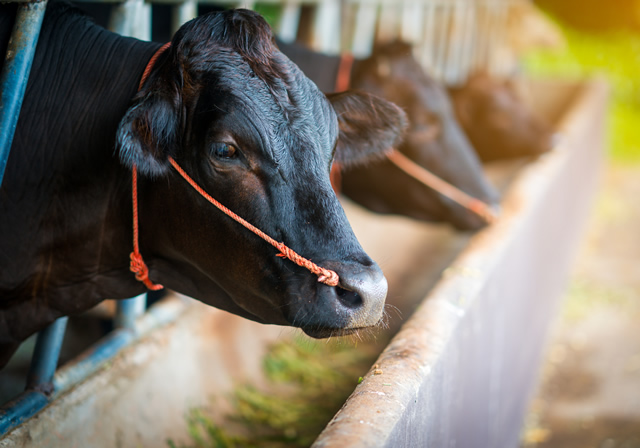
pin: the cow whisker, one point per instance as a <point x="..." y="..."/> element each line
<point x="389" y="307"/>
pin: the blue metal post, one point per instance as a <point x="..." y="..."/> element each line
<point x="15" y="72"/>
<point x="45" y="356"/>
<point x="30" y="402"/>
<point x="128" y="310"/>
<point x="91" y="361"/>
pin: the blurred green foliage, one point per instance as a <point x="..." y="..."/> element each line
<point x="270" y="12"/>
<point x="614" y="55"/>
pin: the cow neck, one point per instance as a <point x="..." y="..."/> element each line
<point x="418" y="172"/>
<point x="138" y="265"/>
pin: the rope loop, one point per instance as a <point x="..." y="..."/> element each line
<point x="326" y="276"/>
<point x="141" y="270"/>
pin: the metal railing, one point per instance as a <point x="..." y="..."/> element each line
<point x="451" y="38"/>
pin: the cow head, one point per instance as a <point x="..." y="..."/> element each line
<point x="259" y="136"/>
<point x="434" y="140"/>
<point x="497" y="121"/>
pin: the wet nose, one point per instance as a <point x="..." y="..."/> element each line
<point x="364" y="292"/>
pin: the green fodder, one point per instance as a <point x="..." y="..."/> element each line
<point x="614" y="56"/>
<point x="307" y="383"/>
<point x="204" y="433"/>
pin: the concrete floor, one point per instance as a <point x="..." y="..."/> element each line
<point x="589" y="395"/>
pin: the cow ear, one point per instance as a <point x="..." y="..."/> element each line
<point x="369" y="126"/>
<point x="150" y="130"/>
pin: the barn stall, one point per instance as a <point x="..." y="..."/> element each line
<point x="462" y="361"/>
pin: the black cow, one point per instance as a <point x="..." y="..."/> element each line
<point x="497" y="121"/>
<point x="240" y="118"/>
<point x="434" y="138"/>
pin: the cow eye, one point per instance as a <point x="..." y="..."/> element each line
<point x="223" y="150"/>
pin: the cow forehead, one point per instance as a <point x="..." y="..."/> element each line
<point x="287" y="110"/>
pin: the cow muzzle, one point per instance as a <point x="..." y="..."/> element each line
<point x="356" y="303"/>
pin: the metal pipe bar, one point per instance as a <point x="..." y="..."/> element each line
<point x="366" y="16"/>
<point x="128" y="311"/>
<point x="92" y="360"/>
<point x="482" y="22"/>
<point x="326" y="27"/>
<point x="427" y="52"/>
<point x="502" y="59"/>
<point x="182" y="13"/>
<point x="25" y="406"/>
<point x="469" y="44"/>
<point x="121" y="17"/>
<point x="45" y="356"/>
<point x="15" y="72"/>
<point x="142" y="23"/>
<point x="95" y="358"/>
<point x="388" y="23"/>
<point x="29" y="403"/>
<point x="411" y="24"/>
<point x="443" y="26"/>
<point x="132" y="18"/>
<point x="289" y="21"/>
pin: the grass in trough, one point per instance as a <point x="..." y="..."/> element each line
<point x="307" y="382"/>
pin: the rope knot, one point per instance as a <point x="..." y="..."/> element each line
<point x="326" y="276"/>
<point x="139" y="267"/>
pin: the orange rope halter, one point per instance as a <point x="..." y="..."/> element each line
<point x="418" y="172"/>
<point x="138" y="266"/>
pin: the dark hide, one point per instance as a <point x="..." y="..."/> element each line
<point x="240" y="118"/>
<point x="496" y="120"/>
<point x="434" y="139"/>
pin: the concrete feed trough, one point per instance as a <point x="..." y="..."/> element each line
<point x="462" y="368"/>
<point x="463" y="364"/>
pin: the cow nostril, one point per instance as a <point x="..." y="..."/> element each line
<point x="350" y="299"/>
